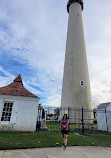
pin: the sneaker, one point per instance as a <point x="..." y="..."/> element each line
<point x="64" y="147"/>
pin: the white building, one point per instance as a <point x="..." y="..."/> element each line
<point x="104" y="117"/>
<point x="18" y="108"/>
<point x="76" y="84"/>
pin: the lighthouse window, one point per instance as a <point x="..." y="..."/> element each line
<point x="82" y="83"/>
<point x="7" y="111"/>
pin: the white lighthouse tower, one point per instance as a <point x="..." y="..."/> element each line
<point x="76" y="85"/>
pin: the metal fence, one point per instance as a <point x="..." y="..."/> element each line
<point x="81" y="120"/>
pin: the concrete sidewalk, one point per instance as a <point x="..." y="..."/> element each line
<point x="71" y="152"/>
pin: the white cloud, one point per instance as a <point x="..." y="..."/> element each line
<point x="9" y="75"/>
<point x="97" y="32"/>
<point x="36" y="36"/>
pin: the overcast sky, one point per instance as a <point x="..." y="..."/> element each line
<point x="33" y="41"/>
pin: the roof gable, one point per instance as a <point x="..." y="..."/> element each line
<point x="18" y="79"/>
<point x="103" y="106"/>
<point x="16" y="88"/>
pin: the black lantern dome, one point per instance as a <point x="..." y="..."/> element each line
<point x="73" y="1"/>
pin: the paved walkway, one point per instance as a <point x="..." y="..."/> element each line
<point x="71" y="152"/>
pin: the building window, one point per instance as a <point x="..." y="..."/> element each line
<point x="7" y="111"/>
<point x="81" y="83"/>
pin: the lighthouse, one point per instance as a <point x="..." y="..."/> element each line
<point x="76" y="85"/>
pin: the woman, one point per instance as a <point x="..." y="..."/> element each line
<point x="64" y="129"/>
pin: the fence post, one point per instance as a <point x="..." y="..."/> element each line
<point x="69" y="118"/>
<point x="82" y="120"/>
<point x="106" y="120"/>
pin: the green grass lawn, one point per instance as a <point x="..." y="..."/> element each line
<point x="16" y="140"/>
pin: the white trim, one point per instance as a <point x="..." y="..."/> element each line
<point x="12" y="97"/>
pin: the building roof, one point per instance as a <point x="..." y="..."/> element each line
<point x="16" y="88"/>
<point x="103" y="106"/>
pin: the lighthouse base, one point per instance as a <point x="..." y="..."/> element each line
<point x="77" y="116"/>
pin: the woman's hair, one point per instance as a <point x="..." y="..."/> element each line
<point x="64" y="116"/>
